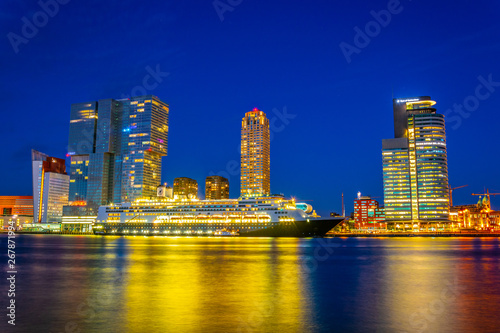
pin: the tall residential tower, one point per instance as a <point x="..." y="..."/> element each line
<point x="415" y="166"/>
<point x="255" y="155"/>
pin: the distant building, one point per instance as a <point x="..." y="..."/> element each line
<point x="415" y="167"/>
<point x="116" y="148"/>
<point x="255" y="155"/>
<point x="50" y="188"/>
<point x="368" y="214"/>
<point x="216" y="188"/>
<point x="17" y="221"/>
<point x="478" y="216"/>
<point x="494" y="217"/>
<point x="16" y="205"/>
<point x="185" y="188"/>
<point x="16" y="209"/>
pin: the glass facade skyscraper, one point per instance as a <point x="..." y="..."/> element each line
<point x="79" y="175"/>
<point x="116" y="148"/>
<point x="255" y="155"/>
<point x="396" y="170"/>
<point x="144" y="141"/>
<point x="82" y="128"/>
<point x="415" y="165"/>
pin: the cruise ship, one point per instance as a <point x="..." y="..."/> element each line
<point x="272" y="216"/>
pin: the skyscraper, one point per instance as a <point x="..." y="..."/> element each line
<point x="415" y="166"/>
<point x="216" y="188"/>
<point x="116" y="148"/>
<point x="92" y="145"/>
<point x="144" y="142"/>
<point x="255" y="155"/>
<point x="50" y="187"/>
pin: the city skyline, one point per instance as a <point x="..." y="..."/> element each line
<point x="70" y="154"/>
<point x="325" y="109"/>
<point x="250" y="166"/>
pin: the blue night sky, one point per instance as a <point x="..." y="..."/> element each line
<point x="281" y="57"/>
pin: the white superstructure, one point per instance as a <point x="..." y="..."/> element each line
<point x="166" y="210"/>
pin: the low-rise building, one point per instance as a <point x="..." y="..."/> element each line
<point x="478" y="216"/>
<point x="368" y="215"/>
<point x="16" y="205"/>
<point x="16" y="221"/>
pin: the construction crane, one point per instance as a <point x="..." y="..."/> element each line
<point x="487" y="194"/>
<point x="451" y="192"/>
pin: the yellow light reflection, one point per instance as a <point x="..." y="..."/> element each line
<point x="215" y="284"/>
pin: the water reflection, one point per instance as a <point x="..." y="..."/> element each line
<point x="157" y="284"/>
<point x="215" y="285"/>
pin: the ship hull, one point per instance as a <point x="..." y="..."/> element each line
<point x="311" y="228"/>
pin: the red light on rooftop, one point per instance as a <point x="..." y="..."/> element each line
<point x="255" y="110"/>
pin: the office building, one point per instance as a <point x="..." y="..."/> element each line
<point x="255" y="155"/>
<point x="16" y="205"/>
<point x="116" y="147"/>
<point x="216" y="188"/>
<point x="368" y="214"/>
<point x="415" y="167"/>
<point x="185" y="188"/>
<point x="50" y="187"/>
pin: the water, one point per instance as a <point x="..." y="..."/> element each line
<point x="140" y="284"/>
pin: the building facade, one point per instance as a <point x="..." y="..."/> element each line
<point x="116" y="148"/>
<point x="16" y="205"/>
<point x="17" y="221"/>
<point x="255" y="155"/>
<point x="415" y="167"/>
<point x="479" y="216"/>
<point x="50" y="188"/>
<point x="216" y="188"/>
<point x="185" y="188"/>
<point x="368" y="214"/>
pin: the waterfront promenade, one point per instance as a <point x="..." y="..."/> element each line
<point x="329" y="234"/>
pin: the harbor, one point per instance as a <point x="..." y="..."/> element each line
<point x="214" y="284"/>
